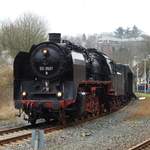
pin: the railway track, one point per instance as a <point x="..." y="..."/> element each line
<point x="11" y="130"/>
<point x="18" y="134"/>
<point x="145" y="145"/>
<point x="17" y="129"/>
<point x="11" y="135"/>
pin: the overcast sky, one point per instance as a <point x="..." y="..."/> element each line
<point x="82" y="16"/>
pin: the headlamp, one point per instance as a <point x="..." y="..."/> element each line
<point x="59" y="94"/>
<point x="45" y="51"/>
<point x="24" y="93"/>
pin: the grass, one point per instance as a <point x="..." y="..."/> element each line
<point x="147" y="95"/>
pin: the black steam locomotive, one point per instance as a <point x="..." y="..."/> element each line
<point x="57" y="80"/>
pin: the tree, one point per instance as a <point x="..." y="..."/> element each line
<point x="127" y="33"/>
<point x="22" y="33"/>
<point x="135" y="32"/>
<point x="84" y="38"/>
<point x="147" y="43"/>
<point x="119" y="32"/>
<point x="91" y="41"/>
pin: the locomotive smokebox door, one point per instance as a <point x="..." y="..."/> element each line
<point x="79" y="68"/>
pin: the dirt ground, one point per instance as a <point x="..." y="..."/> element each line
<point x="141" y="110"/>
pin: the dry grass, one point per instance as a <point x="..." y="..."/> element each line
<point x="7" y="110"/>
<point x="7" y="113"/>
<point x="142" y="110"/>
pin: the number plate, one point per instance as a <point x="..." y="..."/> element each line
<point x="48" y="68"/>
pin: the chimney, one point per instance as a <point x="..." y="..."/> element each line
<point x="54" y="37"/>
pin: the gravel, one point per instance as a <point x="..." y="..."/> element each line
<point x="112" y="132"/>
<point x="15" y="122"/>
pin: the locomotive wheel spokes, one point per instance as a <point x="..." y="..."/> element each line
<point x="97" y="107"/>
<point x="97" y="113"/>
<point x="93" y="115"/>
<point x="82" y="118"/>
<point x="62" y="117"/>
<point x="118" y="103"/>
<point x="114" y="105"/>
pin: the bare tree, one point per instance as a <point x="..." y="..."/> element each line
<point x="19" y="35"/>
<point x="127" y="33"/>
<point x="135" y="32"/>
<point x="119" y="32"/>
<point x="91" y="41"/>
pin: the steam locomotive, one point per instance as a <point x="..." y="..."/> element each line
<point x="58" y="79"/>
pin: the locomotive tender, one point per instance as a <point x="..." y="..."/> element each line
<point x="57" y="79"/>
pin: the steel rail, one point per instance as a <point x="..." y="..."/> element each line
<point x="144" y="145"/>
<point x="26" y="135"/>
<point x="47" y="128"/>
<point x="16" y="129"/>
